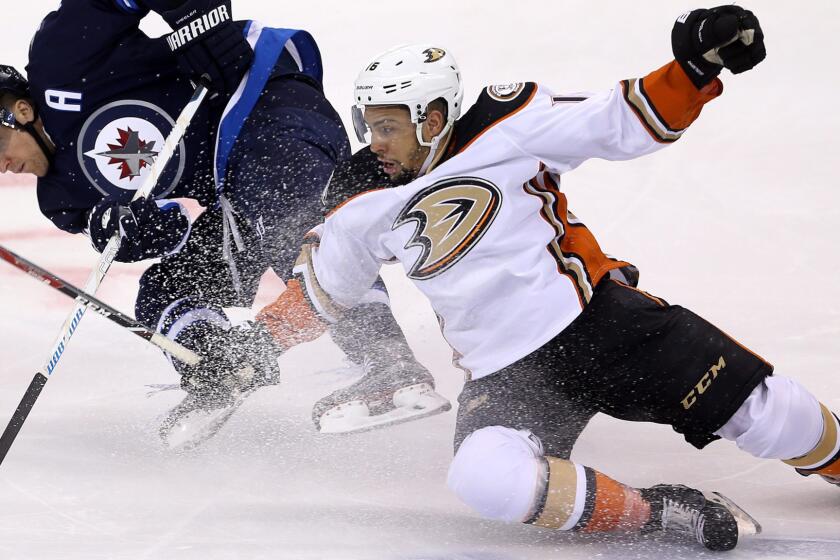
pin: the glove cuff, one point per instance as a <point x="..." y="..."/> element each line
<point x="180" y="315"/>
<point x="166" y="205"/>
<point x="191" y="27"/>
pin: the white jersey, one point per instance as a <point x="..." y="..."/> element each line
<point x="486" y="235"/>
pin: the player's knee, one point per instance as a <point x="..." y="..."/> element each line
<point x="496" y="471"/>
<point x="779" y="420"/>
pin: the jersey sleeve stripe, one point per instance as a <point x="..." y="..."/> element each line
<point x="635" y="97"/>
<point x="313" y="292"/>
<point x="667" y="102"/>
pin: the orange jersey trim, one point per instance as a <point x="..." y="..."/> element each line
<point x="354" y="197"/>
<point x="676" y="100"/>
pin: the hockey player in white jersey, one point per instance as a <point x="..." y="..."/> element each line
<point x="547" y="334"/>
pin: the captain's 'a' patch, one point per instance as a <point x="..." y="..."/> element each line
<point x="450" y="217"/>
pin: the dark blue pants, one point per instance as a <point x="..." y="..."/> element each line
<point x="279" y="166"/>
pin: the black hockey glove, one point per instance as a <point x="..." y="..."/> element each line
<point x="210" y="48"/>
<point x="704" y="41"/>
<point x="236" y="358"/>
<point x="147" y="228"/>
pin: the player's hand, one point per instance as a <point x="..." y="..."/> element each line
<point x="240" y="357"/>
<point x="147" y="228"/>
<point x="209" y="47"/>
<point x="705" y="41"/>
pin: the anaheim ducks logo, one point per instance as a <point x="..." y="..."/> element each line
<point x="434" y="54"/>
<point x="451" y="217"/>
<point x="505" y="92"/>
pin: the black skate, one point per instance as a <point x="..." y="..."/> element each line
<point x="235" y="362"/>
<point x="207" y="407"/>
<point x="711" y="519"/>
<point x="400" y="392"/>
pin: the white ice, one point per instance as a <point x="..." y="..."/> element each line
<point x="737" y="221"/>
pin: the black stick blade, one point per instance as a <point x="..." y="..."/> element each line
<point x="19" y="417"/>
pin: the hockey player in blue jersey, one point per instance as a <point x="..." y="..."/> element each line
<point x="257" y="156"/>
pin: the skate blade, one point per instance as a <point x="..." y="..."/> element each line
<point x="157" y="388"/>
<point x="412" y="403"/>
<point x="747" y="524"/>
<point x="187" y="427"/>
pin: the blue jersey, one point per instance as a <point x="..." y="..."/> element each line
<point x="108" y="96"/>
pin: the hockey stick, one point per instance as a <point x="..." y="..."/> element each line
<point x="176" y="350"/>
<point x="96" y="277"/>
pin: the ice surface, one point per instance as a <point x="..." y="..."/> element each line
<point x="737" y="221"/>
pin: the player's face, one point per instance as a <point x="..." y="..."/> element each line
<point x="394" y="141"/>
<point x="20" y="153"/>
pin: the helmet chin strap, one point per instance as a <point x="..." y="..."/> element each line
<point x="30" y="128"/>
<point x="433" y="145"/>
<point x="11" y="121"/>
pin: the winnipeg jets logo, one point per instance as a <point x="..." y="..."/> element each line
<point x="130" y="153"/>
<point x="119" y="143"/>
<point x="450" y="217"/>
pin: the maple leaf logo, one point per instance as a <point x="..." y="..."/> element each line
<point x="131" y="153"/>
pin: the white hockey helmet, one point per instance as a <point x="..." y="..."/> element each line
<point x="413" y="76"/>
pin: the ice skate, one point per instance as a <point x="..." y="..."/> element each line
<point x="195" y="419"/>
<point x="710" y="519"/>
<point x="399" y="392"/>
<point x="206" y="408"/>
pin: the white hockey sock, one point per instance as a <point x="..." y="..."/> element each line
<point x="779" y="420"/>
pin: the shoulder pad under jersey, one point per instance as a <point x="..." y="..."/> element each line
<point x="493" y="105"/>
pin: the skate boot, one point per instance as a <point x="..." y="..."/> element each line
<point x="401" y="391"/>
<point x="202" y="413"/>
<point x="235" y="362"/>
<point x="710" y="519"/>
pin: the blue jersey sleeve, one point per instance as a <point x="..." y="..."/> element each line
<point x="80" y="34"/>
